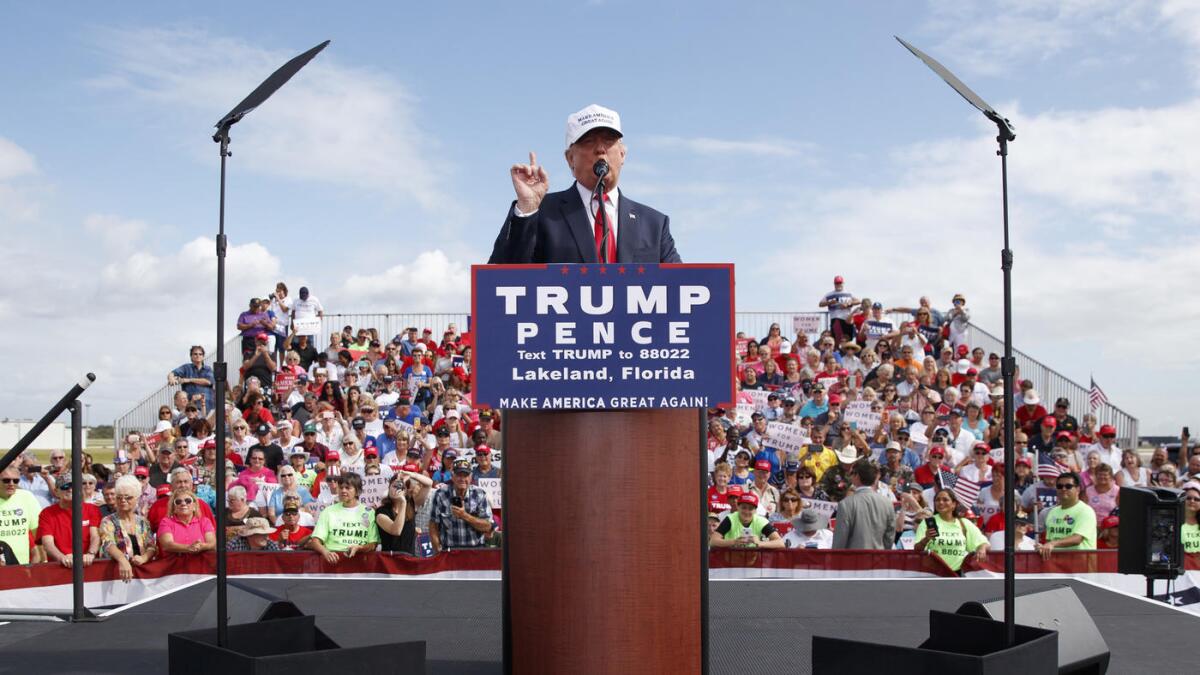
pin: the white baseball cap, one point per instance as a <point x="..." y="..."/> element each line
<point x="592" y="117"/>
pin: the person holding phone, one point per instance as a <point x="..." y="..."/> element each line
<point x="949" y="534"/>
<point x="462" y="516"/>
<point x="746" y="529"/>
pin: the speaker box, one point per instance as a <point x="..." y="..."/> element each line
<point x="245" y="604"/>
<point x="1081" y="648"/>
<point x="1149" y="542"/>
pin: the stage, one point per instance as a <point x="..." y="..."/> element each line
<point x="757" y="626"/>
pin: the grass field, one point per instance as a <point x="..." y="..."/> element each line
<point x="101" y="450"/>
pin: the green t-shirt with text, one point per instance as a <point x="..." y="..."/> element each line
<point x="339" y="528"/>
<point x="1079" y="519"/>
<point x="1191" y="538"/>
<point x="953" y="542"/>
<point x="19" y="515"/>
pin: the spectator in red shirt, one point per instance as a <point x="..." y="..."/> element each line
<point x="290" y="535"/>
<point x="926" y="474"/>
<point x="1031" y="413"/>
<point x="54" y="528"/>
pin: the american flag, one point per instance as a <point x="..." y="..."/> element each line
<point x="1096" y="396"/>
<point x="967" y="491"/>
<point x="1049" y="469"/>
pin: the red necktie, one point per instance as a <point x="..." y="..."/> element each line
<point x="612" y="239"/>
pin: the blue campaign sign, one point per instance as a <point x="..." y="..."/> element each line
<point x="591" y="337"/>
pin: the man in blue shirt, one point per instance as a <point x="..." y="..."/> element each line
<point x="818" y="405"/>
<point x="196" y="378"/>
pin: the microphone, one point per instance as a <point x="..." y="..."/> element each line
<point x="600" y="168"/>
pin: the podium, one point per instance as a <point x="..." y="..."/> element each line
<point x="605" y="543"/>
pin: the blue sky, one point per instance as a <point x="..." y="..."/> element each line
<point x="796" y="140"/>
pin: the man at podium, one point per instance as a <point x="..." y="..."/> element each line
<point x="567" y="227"/>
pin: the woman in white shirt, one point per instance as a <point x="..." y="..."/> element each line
<point x="1132" y="472"/>
<point x="976" y="467"/>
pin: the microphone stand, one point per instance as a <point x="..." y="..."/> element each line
<point x="601" y="171"/>
<point x="1008" y="364"/>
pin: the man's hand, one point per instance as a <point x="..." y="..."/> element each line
<point x="68" y="560"/>
<point x="1045" y="549"/>
<point x="351" y="551"/>
<point x="88" y="559"/>
<point x="458" y="512"/>
<point x="331" y="557"/>
<point x="530" y="182"/>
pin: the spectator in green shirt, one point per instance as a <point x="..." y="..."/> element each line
<point x="1191" y="517"/>
<point x="1070" y="526"/>
<point x="19" y="511"/>
<point x="955" y="538"/>
<point x="346" y="527"/>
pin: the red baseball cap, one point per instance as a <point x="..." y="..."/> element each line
<point x="1063" y="434"/>
<point x="834" y="399"/>
<point x="482" y="450"/>
<point x="972" y="371"/>
<point x="983" y="445"/>
<point x="261" y="337"/>
<point x="734" y="490"/>
<point x="1110" y="522"/>
<point x="937" y="451"/>
<point x="748" y="498"/>
<point x="371" y="452"/>
<point x="1049" y="421"/>
<point x="1108" y="430"/>
<point x="332" y="455"/>
<point x="963" y="350"/>
<point x="427" y="330"/>
<point x="411" y="466"/>
<point x="163" y="490"/>
<point x="1025" y="461"/>
<point x="762" y="465"/>
<point x="839" y="280"/>
<point x="141" y="471"/>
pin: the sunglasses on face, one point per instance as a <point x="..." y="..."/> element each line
<point x="143" y="478"/>
<point x="10" y="481"/>
<point x="181" y="502"/>
<point x="124" y="498"/>
<point x="1065" y="486"/>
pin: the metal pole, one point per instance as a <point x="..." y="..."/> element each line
<point x="77" y="549"/>
<point x="219" y="378"/>
<point x="51" y="414"/>
<point x="1008" y="369"/>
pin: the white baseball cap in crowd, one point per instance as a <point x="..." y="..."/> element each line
<point x="592" y="117"/>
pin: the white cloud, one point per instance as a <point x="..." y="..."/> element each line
<point x="16" y="198"/>
<point x="989" y="38"/>
<point x="766" y="147"/>
<point x="1083" y="301"/>
<point x="330" y="123"/>
<point x="430" y="283"/>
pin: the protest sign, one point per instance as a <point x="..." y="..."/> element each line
<point x="374" y="490"/>
<point x="307" y="325"/>
<point x="827" y="382"/>
<point x="743" y="345"/>
<point x="759" y="398"/>
<point x="859" y="412"/>
<point x="809" y="324"/>
<point x="823" y="508"/>
<point x="877" y="329"/>
<point x="786" y="437"/>
<point x="492" y="487"/>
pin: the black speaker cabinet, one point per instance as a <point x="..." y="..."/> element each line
<point x="1149" y="539"/>
<point x="245" y="604"/>
<point x="1081" y="648"/>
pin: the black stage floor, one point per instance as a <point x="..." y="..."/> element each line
<point x="759" y="626"/>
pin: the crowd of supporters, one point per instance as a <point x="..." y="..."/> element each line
<point x="870" y="434"/>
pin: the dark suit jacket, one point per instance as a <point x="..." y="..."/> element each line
<point x="561" y="232"/>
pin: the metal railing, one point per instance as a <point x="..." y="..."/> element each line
<point x="1050" y="383"/>
<point x="144" y="416"/>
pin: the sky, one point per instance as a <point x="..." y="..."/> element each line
<point x="796" y="140"/>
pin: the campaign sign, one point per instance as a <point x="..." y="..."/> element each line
<point x="588" y="337"/>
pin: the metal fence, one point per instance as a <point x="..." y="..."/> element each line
<point x="1050" y="383"/>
